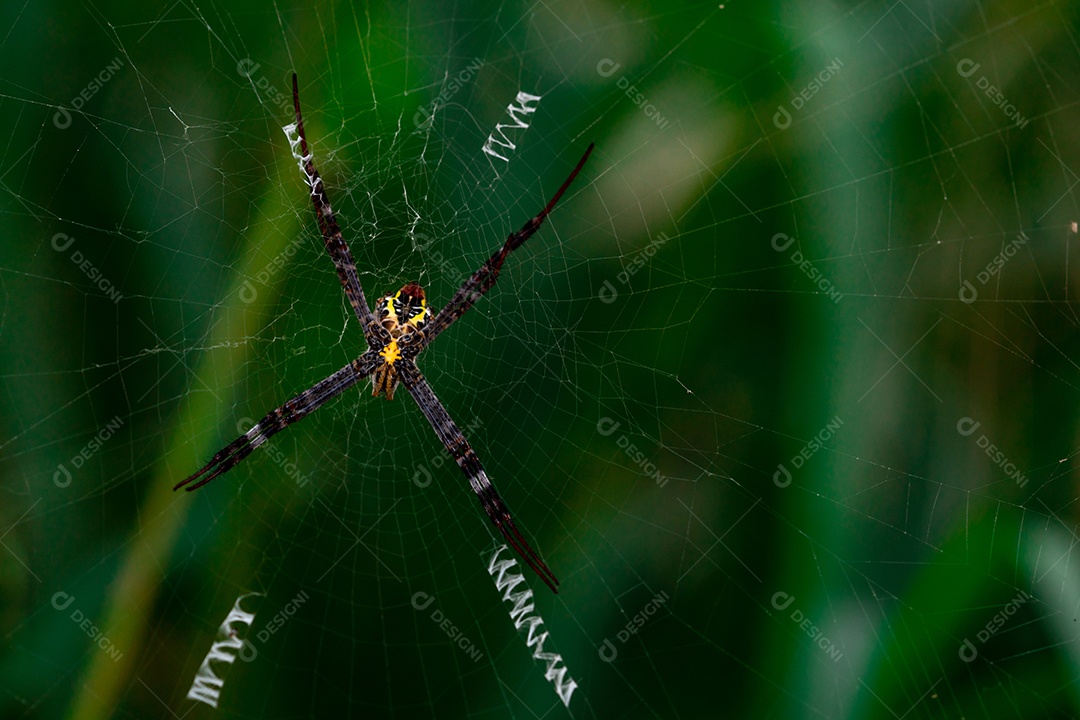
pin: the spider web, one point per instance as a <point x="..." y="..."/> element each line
<point x="783" y="391"/>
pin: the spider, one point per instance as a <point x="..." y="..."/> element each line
<point x="398" y="328"/>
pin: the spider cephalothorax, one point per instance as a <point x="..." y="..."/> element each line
<point x="404" y="311"/>
<point x="400" y="314"/>
<point x="398" y="328"/>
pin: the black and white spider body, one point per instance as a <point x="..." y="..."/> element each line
<point x="399" y="328"/>
<point x="400" y="314"/>
<point x="404" y="311"/>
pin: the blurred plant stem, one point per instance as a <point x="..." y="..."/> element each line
<point x="132" y="595"/>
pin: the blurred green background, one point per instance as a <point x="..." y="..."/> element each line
<point x="784" y="391"/>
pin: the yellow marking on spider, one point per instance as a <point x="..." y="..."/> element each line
<point x="391" y="353"/>
<point x="415" y="320"/>
<point x="420" y="316"/>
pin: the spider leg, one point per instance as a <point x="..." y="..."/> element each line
<point x="279" y="419"/>
<point x="335" y="244"/>
<point x="466" y="458"/>
<point x="483" y="279"/>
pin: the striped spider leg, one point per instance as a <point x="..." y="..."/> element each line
<point x="483" y="279"/>
<point x="336" y="246"/>
<point x="463" y="454"/>
<point x="397" y="329"/>
<point x="280" y="418"/>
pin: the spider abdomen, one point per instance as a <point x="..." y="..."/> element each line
<point x="399" y="314"/>
<point x="384" y="380"/>
<point x="404" y="311"/>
